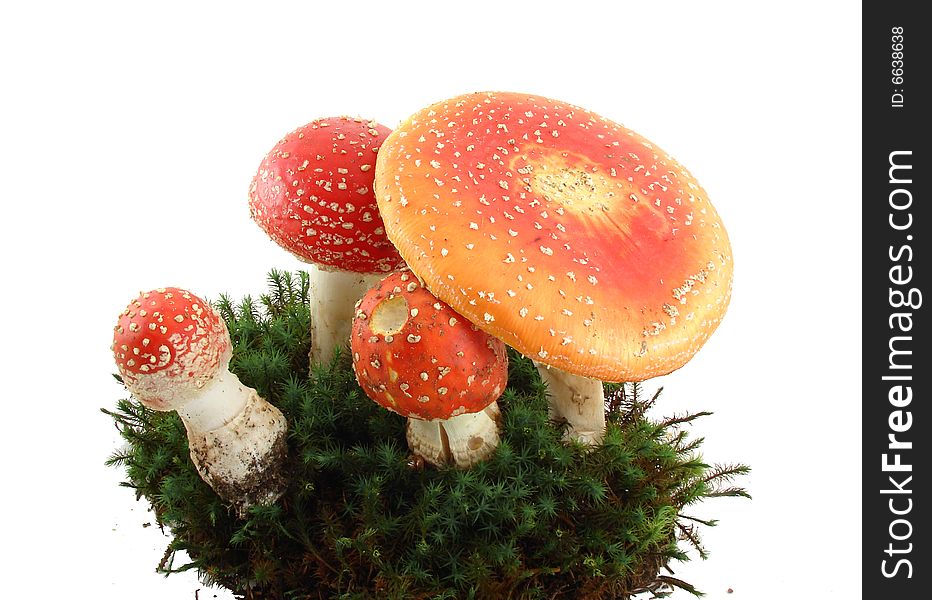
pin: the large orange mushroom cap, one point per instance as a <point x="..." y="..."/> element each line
<point x="566" y="235"/>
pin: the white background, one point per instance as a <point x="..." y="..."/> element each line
<point x="128" y="136"/>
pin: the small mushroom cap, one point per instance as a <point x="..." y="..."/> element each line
<point x="313" y="195"/>
<point x="415" y="356"/>
<point x="168" y="344"/>
<point x="570" y="237"/>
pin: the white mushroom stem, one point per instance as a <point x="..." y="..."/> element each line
<point x="237" y="442"/>
<point x="463" y="440"/>
<point x="219" y="402"/>
<point x="580" y="401"/>
<point x="333" y="299"/>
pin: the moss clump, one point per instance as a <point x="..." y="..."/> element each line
<point x="362" y="519"/>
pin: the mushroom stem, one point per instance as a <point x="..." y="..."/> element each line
<point x="580" y="401"/>
<point x="219" y="402"/>
<point x="237" y="442"/>
<point x="334" y="294"/>
<point x="463" y="440"/>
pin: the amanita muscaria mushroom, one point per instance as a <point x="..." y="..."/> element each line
<point x="566" y="235"/>
<point x="415" y="356"/>
<point x="173" y="352"/>
<point x="313" y="195"/>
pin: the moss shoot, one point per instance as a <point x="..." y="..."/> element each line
<point x="362" y="518"/>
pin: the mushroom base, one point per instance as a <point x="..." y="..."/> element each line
<point x="580" y="401"/>
<point x="462" y="441"/>
<point x="334" y="294"/>
<point x="243" y="459"/>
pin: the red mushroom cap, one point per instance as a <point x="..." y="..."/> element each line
<point x="313" y="195"/>
<point x="568" y="236"/>
<point x="168" y="344"/>
<point x="416" y="356"/>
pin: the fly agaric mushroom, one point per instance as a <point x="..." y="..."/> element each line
<point x="173" y="352"/>
<point x="415" y="356"/>
<point x="571" y="238"/>
<point x="313" y="195"/>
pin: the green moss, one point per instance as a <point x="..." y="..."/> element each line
<point x="363" y="519"/>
